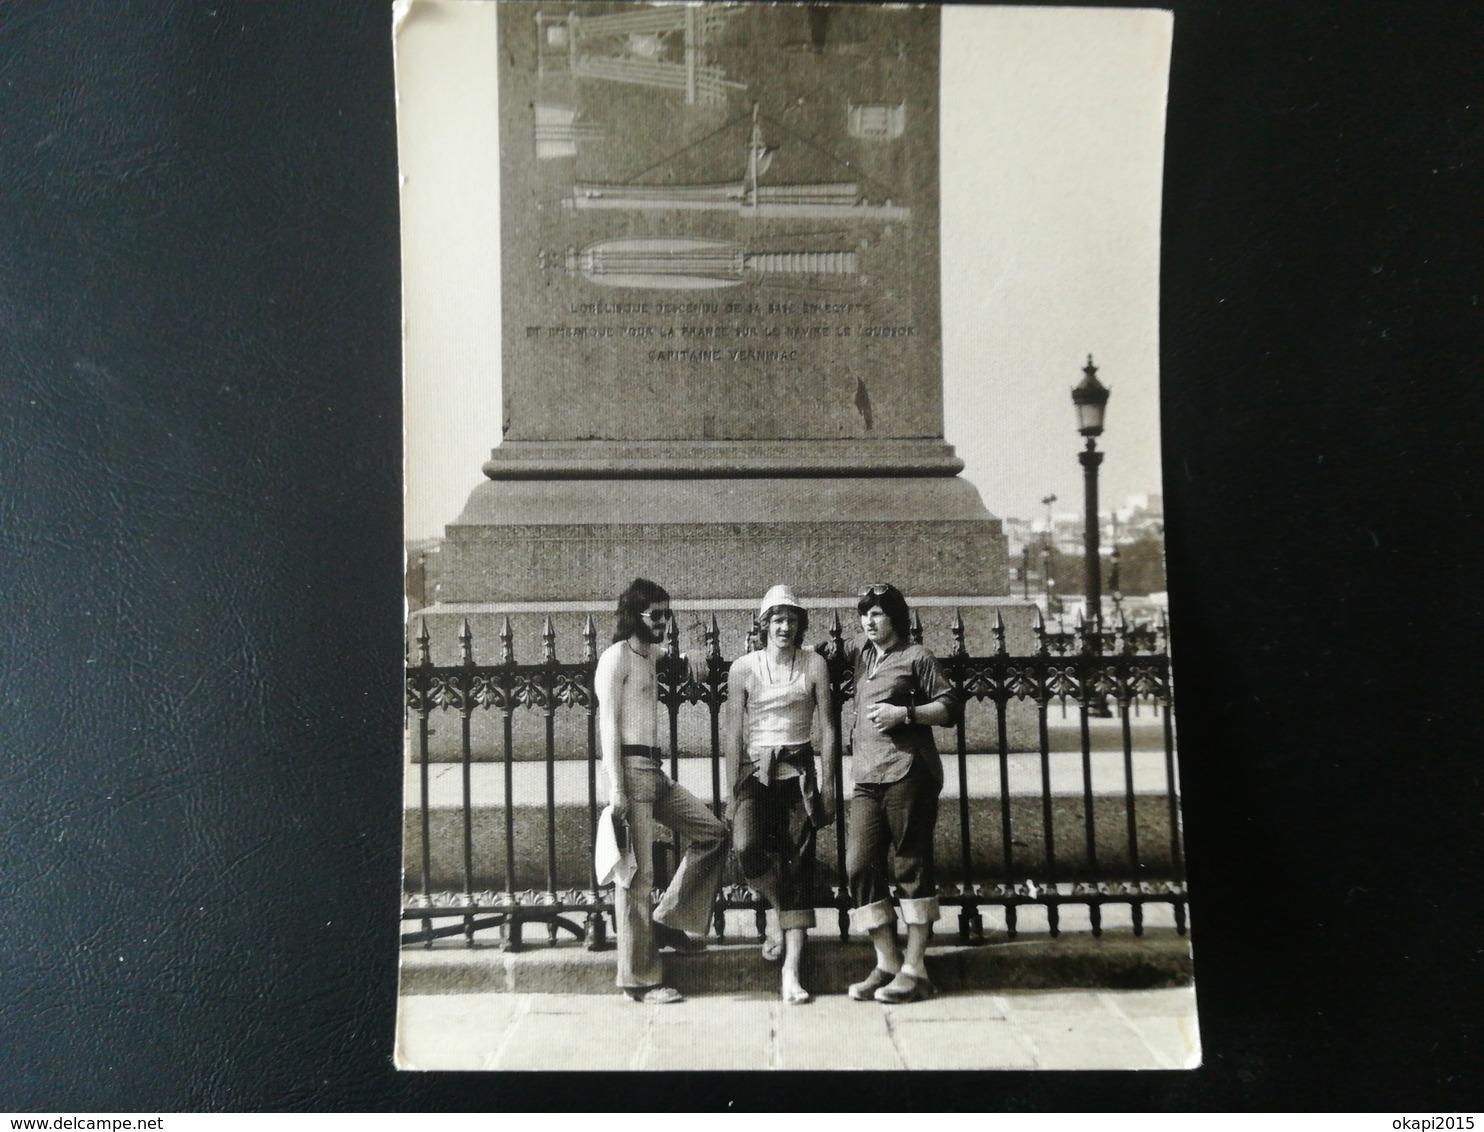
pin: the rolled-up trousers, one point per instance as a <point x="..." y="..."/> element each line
<point x="775" y="844"/>
<point x="898" y="816"/>
<point x="655" y="800"/>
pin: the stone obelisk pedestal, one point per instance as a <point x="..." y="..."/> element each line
<point x="558" y="537"/>
<point x="721" y="359"/>
<point x="720" y="328"/>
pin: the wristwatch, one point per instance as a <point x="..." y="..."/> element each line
<point x="911" y="714"/>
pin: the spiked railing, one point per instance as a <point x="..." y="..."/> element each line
<point x="998" y="861"/>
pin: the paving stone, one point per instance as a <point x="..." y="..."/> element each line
<point x="692" y="1039"/>
<point x="593" y="1010"/>
<point x="562" y="1041"/>
<point x="1082" y="1042"/>
<point x="954" y="1007"/>
<point x="1051" y="1002"/>
<point x="1174" y="1041"/>
<point x="835" y="1033"/>
<point x="1170" y="1002"/>
<point x="755" y="1030"/>
<point x="989" y="1044"/>
<point x="452" y="1031"/>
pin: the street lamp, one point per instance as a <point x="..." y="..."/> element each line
<point x="1091" y="397"/>
<point x="1046" y="551"/>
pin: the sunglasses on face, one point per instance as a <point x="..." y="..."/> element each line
<point x="656" y="615"/>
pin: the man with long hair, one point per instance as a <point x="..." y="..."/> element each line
<point x="643" y="795"/>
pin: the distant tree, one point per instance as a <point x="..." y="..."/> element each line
<point x="1141" y="566"/>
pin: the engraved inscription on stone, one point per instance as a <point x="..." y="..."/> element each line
<point x="731" y="225"/>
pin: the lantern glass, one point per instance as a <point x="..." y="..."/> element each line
<point x="1090" y="418"/>
<point x="1091" y="398"/>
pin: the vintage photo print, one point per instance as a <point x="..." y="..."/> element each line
<point x="788" y="657"/>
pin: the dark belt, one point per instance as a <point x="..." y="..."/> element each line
<point x="634" y="751"/>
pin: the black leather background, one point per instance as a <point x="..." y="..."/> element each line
<point x="200" y="546"/>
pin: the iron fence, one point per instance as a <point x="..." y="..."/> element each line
<point x="1084" y="844"/>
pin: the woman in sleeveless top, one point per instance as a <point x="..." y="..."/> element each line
<point x="776" y="698"/>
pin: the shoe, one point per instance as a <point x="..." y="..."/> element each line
<point x="655" y="996"/>
<point x="905" y="988"/>
<point x="797" y="997"/>
<point x="864" y="990"/>
<point x="772" y="949"/>
<point x="677" y="940"/>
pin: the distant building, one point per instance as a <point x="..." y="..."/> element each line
<point x="1136" y="528"/>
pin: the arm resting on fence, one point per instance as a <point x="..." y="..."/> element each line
<point x="732" y="739"/>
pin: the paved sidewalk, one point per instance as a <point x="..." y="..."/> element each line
<point x="1150" y="1029"/>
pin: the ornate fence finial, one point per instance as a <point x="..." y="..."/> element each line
<point x="590" y="641"/>
<point x="424" y="654"/>
<point x="548" y="641"/>
<point x="507" y="642"/>
<point x="916" y="628"/>
<point x="1120" y="634"/>
<point x="999" y="634"/>
<point x="466" y="644"/>
<point x="957" y="629"/>
<point x="713" y="641"/>
<point x="1040" y="630"/>
<point x="1164" y="632"/>
<point x="754" y="636"/>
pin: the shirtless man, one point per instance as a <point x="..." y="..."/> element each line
<point x="642" y="794"/>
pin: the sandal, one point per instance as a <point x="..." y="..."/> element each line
<point x="772" y="949"/>
<point x="905" y="988"/>
<point x="797" y="997"/>
<point x="655" y="996"/>
<point x="865" y="990"/>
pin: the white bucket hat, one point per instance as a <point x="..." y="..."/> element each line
<point x="779" y="595"/>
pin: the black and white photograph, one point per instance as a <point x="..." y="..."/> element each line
<point x="463" y="569"/>
<point x="788" y="646"/>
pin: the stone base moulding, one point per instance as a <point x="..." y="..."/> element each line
<point x="577" y="540"/>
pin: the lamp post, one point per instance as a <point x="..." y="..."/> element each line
<point x="1046" y="551"/>
<point x="1091" y="397"/>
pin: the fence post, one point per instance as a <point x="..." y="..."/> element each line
<point x="508" y="699"/>
<point x="466" y="700"/>
<point x="595" y="929"/>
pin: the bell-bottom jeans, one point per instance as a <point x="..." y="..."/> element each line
<point x="655" y="800"/>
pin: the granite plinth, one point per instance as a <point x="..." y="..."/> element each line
<point x="709" y="459"/>
<point x="720" y="537"/>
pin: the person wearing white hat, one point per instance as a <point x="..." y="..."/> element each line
<point x="776" y="699"/>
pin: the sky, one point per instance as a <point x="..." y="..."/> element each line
<point x="1052" y="132"/>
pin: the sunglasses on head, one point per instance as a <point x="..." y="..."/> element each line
<point x="880" y="589"/>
